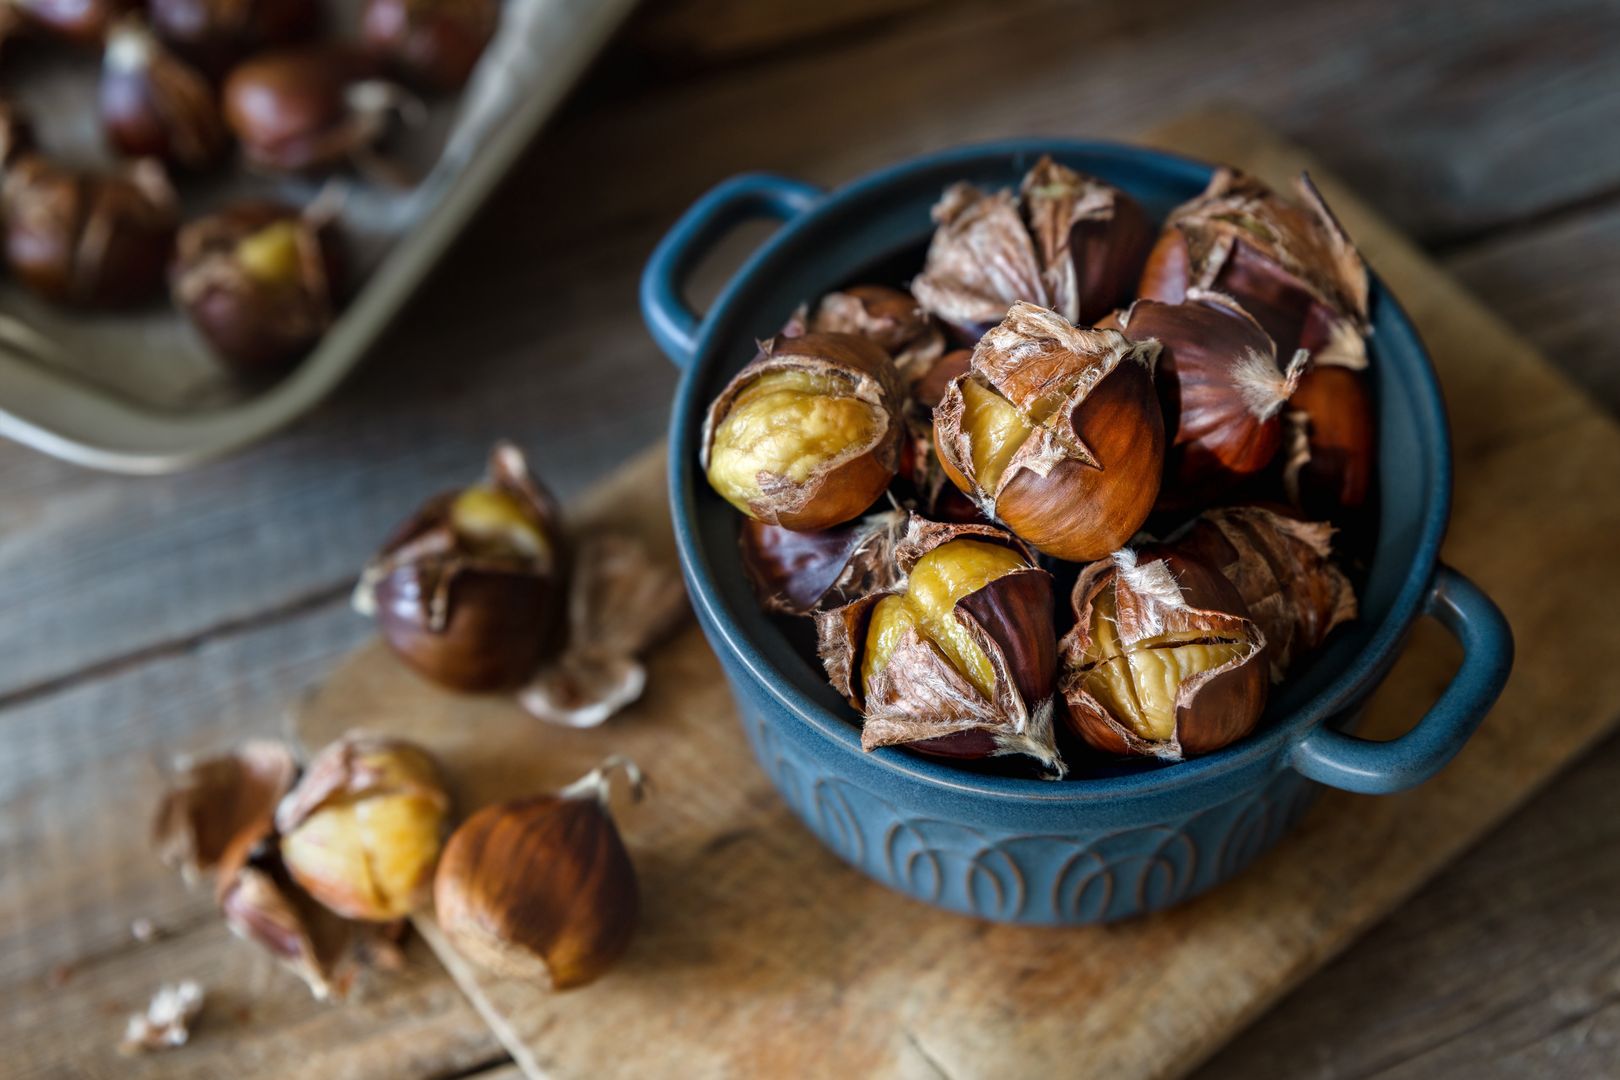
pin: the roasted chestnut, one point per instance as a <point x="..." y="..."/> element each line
<point x="1283" y="568"/>
<point x="309" y="109"/>
<point x="1329" y="456"/>
<point x="153" y="104"/>
<point x="471" y="592"/>
<point x="1163" y="659"/>
<point x="1073" y="244"/>
<point x="1055" y="431"/>
<point x="88" y="240"/>
<point x="215" y="34"/>
<point x="808" y="435"/>
<point x="887" y="317"/>
<point x="959" y="660"/>
<point x="259" y="281"/>
<point x="434" y="44"/>
<point x="1221" y="391"/>
<point x="1292" y="267"/>
<point x="796" y="573"/>
<point x="82" y="22"/>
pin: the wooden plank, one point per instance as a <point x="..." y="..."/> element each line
<point x="104" y="570"/>
<point x="780" y="957"/>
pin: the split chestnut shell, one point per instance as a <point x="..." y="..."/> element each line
<point x="796" y="573"/>
<point x="889" y="318"/>
<point x="1329" y="450"/>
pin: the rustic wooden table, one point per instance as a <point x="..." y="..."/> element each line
<point x="146" y="618"/>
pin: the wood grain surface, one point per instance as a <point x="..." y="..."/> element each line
<point x="146" y="618"/>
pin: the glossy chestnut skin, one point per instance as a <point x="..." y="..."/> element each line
<point x="216" y="34"/>
<point x="434" y="44"/>
<point x="82" y="22"/>
<point x="87" y="240"/>
<point x="291" y="109"/>
<point x="154" y="104"/>
<point x="1330" y="467"/>
<point x="254" y="325"/>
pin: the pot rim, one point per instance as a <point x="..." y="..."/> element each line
<point x="1274" y="739"/>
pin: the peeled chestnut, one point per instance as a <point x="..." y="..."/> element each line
<point x="959" y="659"/>
<point x="82" y="22"/>
<point x="1055" y="432"/>
<point x="309" y="109"/>
<point x="887" y="317"/>
<point x="1071" y="243"/>
<point x="361" y="830"/>
<point x="153" y="104"/>
<point x="1163" y="659"/>
<point x="542" y="889"/>
<point x="1328" y="461"/>
<point x="215" y="34"/>
<point x="1283" y="569"/>
<point x="471" y="592"/>
<point x="808" y="435"/>
<point x="431" y="43"/>
<point x="1219" y="386"/>
<point x="259" y="281"/>
<point x="88" y="240"/>
<point x="1291" y="266"/>
<point x="795" y="573"/>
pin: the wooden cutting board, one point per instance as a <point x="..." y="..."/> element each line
<point x="761" y="954"/>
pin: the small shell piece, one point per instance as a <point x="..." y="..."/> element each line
<point x="1283" y="568"/>
<point x="808" y="435"/>
<point x="220" y="807"/>
<point x="1056" y="432"/>
<point x="1163" y="659"/>
<point x="960" y="660"/>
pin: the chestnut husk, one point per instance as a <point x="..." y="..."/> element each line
<point x="846" y="485"/>
<point x="256" y="326"/>
<point x="797" y="573"/>
<point x="311" y="109"/>
<point x="889" y="318"/>
<point x="1071" y="243"/>
<point x="215" y="34"/>
<point x="87" y="240"/>
<point x="542" y="889"/>
<point x="919" y="700"/>
<point x="467" y="620"/>
<point x="1291" y="266"/>
<point x="81" y="22"/>
<point x="154" y="104"/>
<point x="1221" y="391"/>
<point x="1330" y="442"/>
<point x="434" y="44"/>
<point x="1283" y="569"/>
<point x="1158" y="591"/>
<point x="1087" y="476"/>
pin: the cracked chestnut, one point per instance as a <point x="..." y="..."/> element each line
<point x="889" y="318"/>
<point x="957" y="660"/>
<point x="434" y="44"/>
<point x="796" y="573"/>
<point x="1055" y="432"/>
<point x="1330" y="442"/>
<point x="153" y="104"/>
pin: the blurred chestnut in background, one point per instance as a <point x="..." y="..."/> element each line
<point x="86" y="239"/>
<point x="16" y="135"/>
<point x="259" y="281"/>
<point x="154" y="104"/>
<point x="215" y="34"/>
<point x="82" y="22"/>
<point x="434" y="44"/>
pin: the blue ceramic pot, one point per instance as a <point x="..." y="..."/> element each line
<point x="1144" y="835"/>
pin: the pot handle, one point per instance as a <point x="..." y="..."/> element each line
<point x="672" y="322"/>
<point x="1380" y="768"/>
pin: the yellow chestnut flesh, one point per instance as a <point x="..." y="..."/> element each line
<point x="271" y="254"/>
<point x="787" y="424"/>
<point x="1139" y="686"/>
<point x="938" y="582"/>
<point x="379" y="852"/>
<point x="995" y="429"/>
<point x="488" y="519"/>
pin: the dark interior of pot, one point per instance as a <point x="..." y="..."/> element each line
<point x="880" y="235"/>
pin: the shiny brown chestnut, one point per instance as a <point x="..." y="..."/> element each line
<point x="95" y="241"/>
<point x="259" y="280"/>
<point x="1330" y="442"/>
<point x="434" y="44"/>
<point x="796" y="573"/>
<point x="889" y="318"/>
<point x="958" y="660"/>
<point x="309" y="109"/>
<point x="1055" y="432"/>
<point x="1283" y="568"/>
<point x="1070" y="243"/>
<point x="82" y="22"/>
<point x="215" y="34"/>
<point x="808" y="435"/>
<point x="154" y="104"/>
<point x="1221" y="391"/>
<point x="471" y="592"/>
<point x="1163" y="659"/>
<point x="1291" y="266"/>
